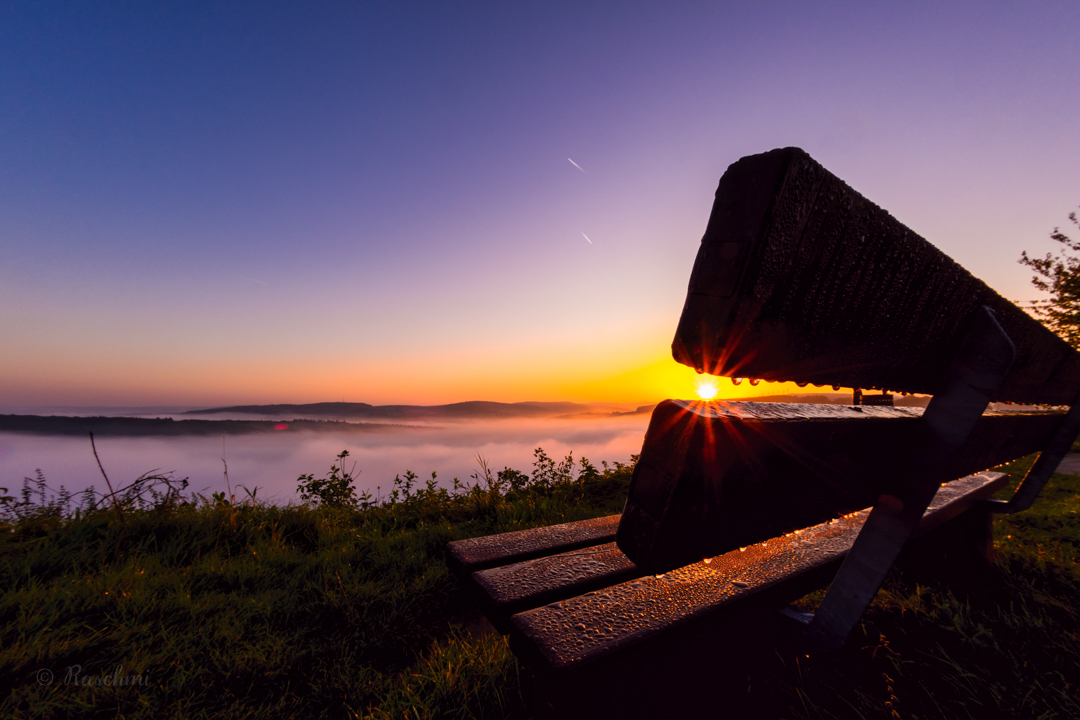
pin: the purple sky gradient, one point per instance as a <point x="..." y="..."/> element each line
<point x="258" y="202"/>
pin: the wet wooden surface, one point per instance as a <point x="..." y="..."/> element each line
<point x="566" y="608"/>
<point x="799" y="277"/>
<point x="561" y="636"/>
<point x="714" y="476"/>
<point x="482" y="552"/>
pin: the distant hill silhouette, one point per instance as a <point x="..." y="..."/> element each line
<point x="479" y="409"/>
<point x="476" y="409"/>
<point x="136" y="427"/>
<point x="330" y="417"/>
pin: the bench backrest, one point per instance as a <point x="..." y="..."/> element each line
<point x="801" y="278"/>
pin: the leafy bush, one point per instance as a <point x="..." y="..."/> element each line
<point x="335" y="490"/>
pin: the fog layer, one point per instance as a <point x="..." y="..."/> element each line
<point x="273" y="461"/>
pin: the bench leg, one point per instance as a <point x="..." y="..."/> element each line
<point x="958" y="546"/>
<point x="977" y="370"/>
<point x="890" y="524"/>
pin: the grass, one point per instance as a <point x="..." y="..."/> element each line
<point x="214" y="609"/>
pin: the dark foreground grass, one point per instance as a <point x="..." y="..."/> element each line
<point x="204" y="610"/>
<point x="996" y="642"/>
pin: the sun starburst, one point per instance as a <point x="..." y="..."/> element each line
<point x="706" y="388"/>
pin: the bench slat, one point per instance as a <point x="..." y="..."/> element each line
<point x="465" y="556"/>
<point x="570" y="633"/>
<point x="716" y="476"/>
<point x="513" y="588"/>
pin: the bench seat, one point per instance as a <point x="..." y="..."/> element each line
<point x="570" y="608"/>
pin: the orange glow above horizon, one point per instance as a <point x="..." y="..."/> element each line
<point x="622" y="373"/>
<point x="664" y="379"/>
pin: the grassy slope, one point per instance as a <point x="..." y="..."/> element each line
<point x="284" y="612"/>
<point x="262" y="611"/>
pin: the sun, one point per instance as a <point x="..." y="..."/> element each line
<point x="706" y="388"/>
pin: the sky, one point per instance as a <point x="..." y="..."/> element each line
<point x="225" y="203"/>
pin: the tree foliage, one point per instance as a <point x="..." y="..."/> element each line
<point x="1059" y="275"/>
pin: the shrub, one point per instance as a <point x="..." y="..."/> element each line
<point x="334" y="490"/>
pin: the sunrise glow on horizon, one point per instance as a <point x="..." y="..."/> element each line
<point x="249" y="204"/>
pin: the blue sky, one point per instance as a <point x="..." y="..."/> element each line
<point x="285" y="202"/>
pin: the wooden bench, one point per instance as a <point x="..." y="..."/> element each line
<point x="578" y="559"/>
<point x="737" y="509"/>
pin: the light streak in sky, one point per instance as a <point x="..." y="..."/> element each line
<point x="583" y="234"/>
<point x="575" y="164"/>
